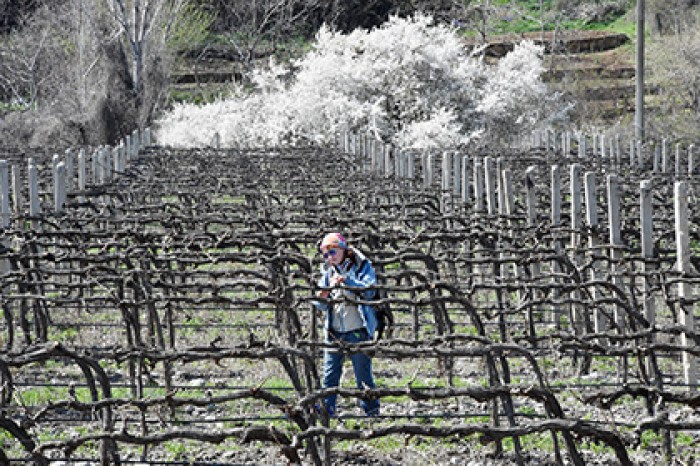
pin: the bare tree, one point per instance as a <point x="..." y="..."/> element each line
<point x="48" y="53"/>
<point x="98" y="70"/>
<point x="672" y="16"/>
<point x="473" y="15"/>
<point x="13" y="13"/>
<point x="482" y="16"/>
<point x="54" y="68"/>
<point x="255" y="28"/>
<point x="144" y="27"/>
<point x="20" y="76"/>
<point x="674" y="64"/>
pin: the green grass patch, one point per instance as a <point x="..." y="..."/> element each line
<point x="541" y="442"/>
<point x="7" y="107"/>
<point x="533" y="17"/>
<point x="63" y="334"/>
<point x="598" y="448"/>
<point x="386" y="444"/>
<point x="177" y="450"/>
<point x="228" y="199"/>
<point x="170" y="199"/>
<point x="201" y="95"/>
<point x="276" y="383"/>
<point x="465" y="330"/>
<point x="620" y="25"/>
<point x="39" y="396"/>
<point x="685" y="439"/>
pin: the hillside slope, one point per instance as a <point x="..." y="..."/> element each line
<point x="594" y="69"/>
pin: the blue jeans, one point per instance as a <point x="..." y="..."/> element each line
<point x="361" y="363"/>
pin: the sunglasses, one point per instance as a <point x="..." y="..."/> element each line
<point x="330" y="253"/>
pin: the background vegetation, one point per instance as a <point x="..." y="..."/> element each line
<point x="88" y="71"/>
<point x="410" y="82"/>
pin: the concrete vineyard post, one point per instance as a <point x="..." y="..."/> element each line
<point x="446" y="162"/>
<point x="500" y="190"/>
<point x="691" y="160"/>
<point x="33" y="177"/>
<point x="5" y="266"/>
<point x="647" y="243"/>
<point x="490" y="179"/>
<point x="640" y="155"/>
<point x="479" y="184"/>
<point x="530" y="195"/>
<point x="595" y="142"/>
<point x="465" y="179"/>
<point x="5" y="193"/>
<point x="399" y="164"/>
<point x="664" y="155"/>
<point x="615" y="227"/>
<point x="428" y="171"/>
<point x="16" y="190"/>
<point x="576" y="211"/>
<point x="389" y="169"/>
<point x="456" y="174"/>
<point x="531" y="199"/>
<point x="82" y="172"/>
<point x="374" y="163"/>
<point x="687" y="310"/>
<point x="117" y="160"/>
<point x="69" y="169"/>
<point x="107" y="164"/>
<point x="656" y="165"/>
<point x="599" y="322"/>
<point x="446" y="175"/>
<point x="397" y="161"/>
<point x="631" y="152"/>
<point x="94" y="166"/>
<point x="59" y="183"/>
<point x="556" y="195"/>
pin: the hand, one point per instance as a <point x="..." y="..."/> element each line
<point x="324" y="294"/>
<point x="337" y="280"/>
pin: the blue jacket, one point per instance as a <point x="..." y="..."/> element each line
<point x="359" y="274"/>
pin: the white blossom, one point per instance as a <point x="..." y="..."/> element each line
<point x="410" y="82"/>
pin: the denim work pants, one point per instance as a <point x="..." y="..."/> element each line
<point x="361" y="363"/>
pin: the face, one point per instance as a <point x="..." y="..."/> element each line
<point x="333" y="256"/>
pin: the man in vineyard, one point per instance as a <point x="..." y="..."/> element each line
<point x="346" y="276"/>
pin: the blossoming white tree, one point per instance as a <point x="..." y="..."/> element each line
<point x="410" y="82"/>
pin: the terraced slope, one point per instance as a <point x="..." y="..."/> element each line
<point x="600" y="79"/>
<point x="595" y="69"/>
